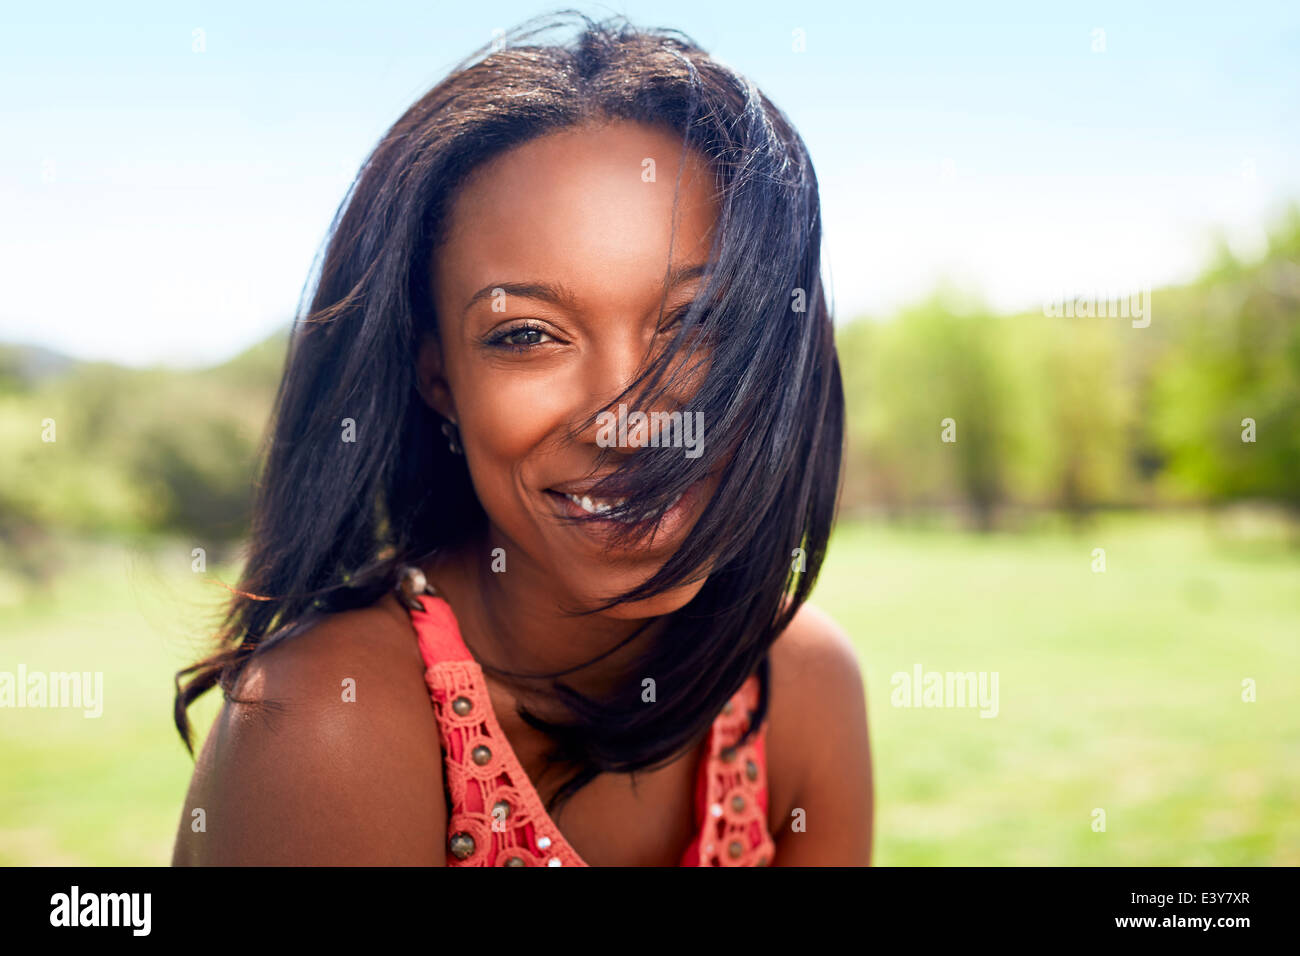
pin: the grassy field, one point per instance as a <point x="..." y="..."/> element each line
<point x="1119" y="691"/>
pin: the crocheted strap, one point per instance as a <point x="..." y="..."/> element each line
<point x="499" y="819"/>
<point x="497" y="816"/>
<point x="438" y="632"/>
<point x="731" y="792"/>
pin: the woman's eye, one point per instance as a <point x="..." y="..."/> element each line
<point x="702" y="325"/>
<point x="676" y="319"/>
<point x="522" y="337"/>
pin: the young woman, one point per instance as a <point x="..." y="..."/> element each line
<point x="491" y="615"/>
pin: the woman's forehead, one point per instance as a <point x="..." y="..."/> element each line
<point x="594" y="209"/>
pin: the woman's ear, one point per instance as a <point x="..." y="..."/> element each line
<point x="431" y="383"/>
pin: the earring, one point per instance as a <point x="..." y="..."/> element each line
<point x="453" y="438"/>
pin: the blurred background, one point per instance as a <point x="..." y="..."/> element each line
<point x="1103" y="512"/>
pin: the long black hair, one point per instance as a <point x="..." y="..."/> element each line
<point x="333" y="521"/>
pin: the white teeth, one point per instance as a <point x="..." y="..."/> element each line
<point x="598" y="506"/>
<point x="592" y="506"/>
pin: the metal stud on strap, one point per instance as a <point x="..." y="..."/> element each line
<point x="410" y="583"/>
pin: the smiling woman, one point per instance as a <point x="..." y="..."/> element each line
<point x="573" y="207"/>
<point x="503" y="638"/>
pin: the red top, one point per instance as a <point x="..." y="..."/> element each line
<point x="497" y="817"/>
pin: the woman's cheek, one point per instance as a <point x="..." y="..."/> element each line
<point x="512" y="421"/>
<point x="512" y="415"/>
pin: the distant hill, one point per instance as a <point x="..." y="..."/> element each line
<point x="258" y="365"/>
<point x="33" y="364"/>
<point x="24" y="367"/>
<point x="100" y="447"/>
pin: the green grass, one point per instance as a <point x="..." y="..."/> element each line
<point x="1119" y="691"/>
<point x="106" y="790"/>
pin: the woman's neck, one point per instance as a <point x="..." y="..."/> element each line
<point x="517" y="622"/>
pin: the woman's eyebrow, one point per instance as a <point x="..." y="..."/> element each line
<point x="551" y="292"/>
<point x="560" y="295"/>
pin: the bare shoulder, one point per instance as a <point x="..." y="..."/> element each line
<point x="814" y="642"/>
<point x="336" y="763"/>
<point x="820" y="759"/>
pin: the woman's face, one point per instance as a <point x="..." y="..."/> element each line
<point x="576" y="237"/>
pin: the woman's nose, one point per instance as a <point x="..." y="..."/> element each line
<point x="629" y="418"/>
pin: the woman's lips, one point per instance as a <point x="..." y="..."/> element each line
<point x="599" y="506"/>
<point x="666" y="525"/>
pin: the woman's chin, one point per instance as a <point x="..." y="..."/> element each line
<point x="660" y="604"/>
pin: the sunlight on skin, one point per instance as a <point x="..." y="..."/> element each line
<point x="570" y="210"/>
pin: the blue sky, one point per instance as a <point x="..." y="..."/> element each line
<point x="159" y="204"/>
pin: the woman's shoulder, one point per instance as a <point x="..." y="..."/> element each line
<point x="815" y="668"/>
<point x="328" y="755"/>
<point x="817" y="741"/>
<point x="376" y="641"/>
<point x="814" y="638"/>
<point x="815" y="675"/>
